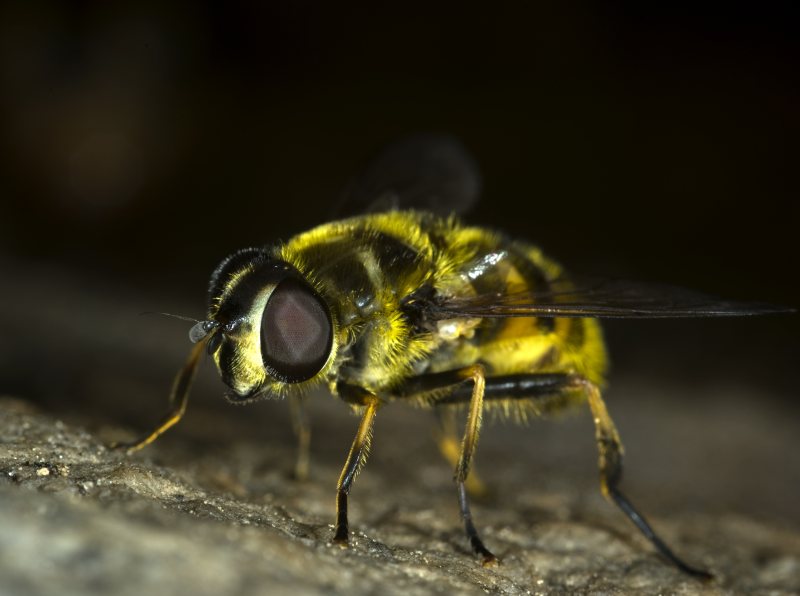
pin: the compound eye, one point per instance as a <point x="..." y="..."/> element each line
<point x="296" y="332"/>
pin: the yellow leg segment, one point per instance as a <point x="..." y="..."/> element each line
<point x="356" y="459"/>
<point x="450" y="448"/>
<point x="179" y="397"/>
<point x="609" y="444"/>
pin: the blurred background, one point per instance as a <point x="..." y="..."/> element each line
<point x="143" y="142"/>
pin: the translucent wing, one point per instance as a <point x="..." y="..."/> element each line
<point x="601" y="299"/>
<point x="430" y="172"/>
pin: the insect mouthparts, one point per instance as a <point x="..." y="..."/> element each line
<point x="201" y="329"/>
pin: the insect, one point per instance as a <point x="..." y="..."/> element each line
<point x="402" y="303"/>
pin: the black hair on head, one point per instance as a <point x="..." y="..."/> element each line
<point x="231" y="263"/>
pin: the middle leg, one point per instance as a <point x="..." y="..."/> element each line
<point x="430" y="383"/>
<point x="449" y="443"/>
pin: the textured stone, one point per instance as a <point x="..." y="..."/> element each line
<point x="221" y="516"/>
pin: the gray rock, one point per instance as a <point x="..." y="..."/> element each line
<point x="210" y="516"/>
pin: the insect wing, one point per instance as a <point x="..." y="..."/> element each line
<point x="429" y="172"/>
<point x="600" y="299"/>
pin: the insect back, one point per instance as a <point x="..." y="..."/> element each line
<point x="275" y="331"/>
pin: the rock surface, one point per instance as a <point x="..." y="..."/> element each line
<point x="213" y="514"/>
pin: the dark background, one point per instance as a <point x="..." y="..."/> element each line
<point x="142" y="143"/>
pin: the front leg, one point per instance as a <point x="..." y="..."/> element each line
<point x="357" y="456"/>
<point x="178" y="399"/>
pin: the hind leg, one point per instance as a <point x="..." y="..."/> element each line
<point x="611" y="451"/>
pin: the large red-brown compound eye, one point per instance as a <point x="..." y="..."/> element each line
<point x="296" y="332"/>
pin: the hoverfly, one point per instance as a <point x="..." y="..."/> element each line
<point x="406" y="303"/>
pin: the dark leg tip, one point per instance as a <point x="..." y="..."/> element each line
<point x="127" y="446"/>
<point x="699" y="574"/>
<point x="487" y="557"/>
<point x="342" y="537"/>
<point x="705" y="576"/>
